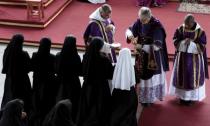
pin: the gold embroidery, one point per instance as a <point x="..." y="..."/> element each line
<point x="183" y="78"/>
<point x="152" y="63"/>
<point x="194" y="71"/>
<point x="101" y="28"/>
<point x="199" y="70"/>
<point x="177" y="70"/>
<point x="104" y="34"/>
<point x="196" y="35"/>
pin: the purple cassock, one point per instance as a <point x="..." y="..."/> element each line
<point x="152" y="33"/>
<point x="190" y="68"/>
<point x="151" y="63"/>
<point x="96" y="27"/>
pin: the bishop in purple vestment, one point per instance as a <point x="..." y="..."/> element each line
<point x="102" y="26"/>
<point x="151" y="63"/>
<point x="190" y="66"/>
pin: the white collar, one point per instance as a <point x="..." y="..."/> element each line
<point x="96" y="15"/>
<point x="196" y="28"/>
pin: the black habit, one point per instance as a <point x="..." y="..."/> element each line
<point x="69" y="68"/>
<point x="60" y="115"/>
<point x="16" y="66"/>
<point x="124" y="107"/>
<point x="12" y="114"/>
<point x="44" y="82"/>
<point x="95" y="96"/>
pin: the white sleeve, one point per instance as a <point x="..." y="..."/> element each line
<point x="114" y="29"/>
<point x="128" y="33"/>
<point x="146" y="48"/>
<point x="192" y="48"/>
<point x="156" y="48"/>
<point x="106" y="48"/>
<point x="115" y="45"/>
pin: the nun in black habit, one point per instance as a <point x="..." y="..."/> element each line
<point x="95" y="99"/>
<point x="44" y="82"/>
<point x="60" y="115"/>
<point x="124" y="98"/>
<point x="13" y="114"/>
<point x="69" y="68"/>
<point x="16" y="66"/>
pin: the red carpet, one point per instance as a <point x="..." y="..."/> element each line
<point x="170" y="113"/>
<point x="74" y="19"/>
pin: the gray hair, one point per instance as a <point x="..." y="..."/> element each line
<point x="189" y="18"/>
<point x="145" y="12"/>
<point x="106" y="8"/>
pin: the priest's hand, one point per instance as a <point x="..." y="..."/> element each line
<point x="187" y="41"/>
<point x="138" y="46"/>
<point x="23" y="115"/>
<point x="109" y="28"/>
<point x="133" y="39"/>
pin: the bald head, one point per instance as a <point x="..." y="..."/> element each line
<point x="105" y="11"/>
<point x="106" y="8"/>
<point x="145" y="14"/>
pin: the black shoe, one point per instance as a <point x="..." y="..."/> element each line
<point x="184" y="102"/>
<point x="191" y="103"/>
<point x="146" y="104"/>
